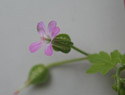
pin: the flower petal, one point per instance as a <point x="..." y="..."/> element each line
<point x="41" y="28"/>
<point x="55" y="31"/>
<point x="49" y="50"/>
<point x="51" y="25"/>
<point x="35" y="46"/>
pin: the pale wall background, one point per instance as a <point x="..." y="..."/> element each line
<point x="93" y="25"/>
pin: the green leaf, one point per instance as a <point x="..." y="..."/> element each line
<point x="62" y="42"/>
<point x="103" y="62"/>
<point x="116" y="56"/>
<point x="38" y="74"/>
<point x="123" y="60"/>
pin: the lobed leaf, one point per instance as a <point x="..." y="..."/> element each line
<point x="103" y="62"/>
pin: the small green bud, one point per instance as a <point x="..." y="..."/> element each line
<point x="38" y="74"/>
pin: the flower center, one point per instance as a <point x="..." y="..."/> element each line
<point x="47" y="39"/>
<point x="43" y="38"/>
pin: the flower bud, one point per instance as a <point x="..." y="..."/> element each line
<point x="38" y="75"/>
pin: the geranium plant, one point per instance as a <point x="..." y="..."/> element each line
<point x="100" y="62"/>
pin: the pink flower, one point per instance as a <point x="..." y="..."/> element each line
<point x="46" y="35"/>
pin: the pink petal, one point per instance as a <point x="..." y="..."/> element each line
<point x="41" y="28"/>
<point x="51" y="25"/>
<point x="35" y="46"/>
<point x="49" y="50"/>
<point x="55" y="31"/>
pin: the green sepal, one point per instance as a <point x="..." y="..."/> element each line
<point x="62" y="42"/>
<point x="38" y="74"/>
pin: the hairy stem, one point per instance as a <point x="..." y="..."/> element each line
<point x="119" y="79"/>
<point x="66" y="61"/>
<point x="79" y="50"/>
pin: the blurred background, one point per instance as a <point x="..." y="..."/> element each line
<point x="93" y="25"/>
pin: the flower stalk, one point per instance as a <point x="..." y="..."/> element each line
<point x="66" y="62"/>
<point x="79" y="50"/>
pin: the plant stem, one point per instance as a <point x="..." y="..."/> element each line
<point x="66" y="61"/>
<point x="119" y="79"/>
<point x="79" y="50"/>
<point x="22" y="87"/>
